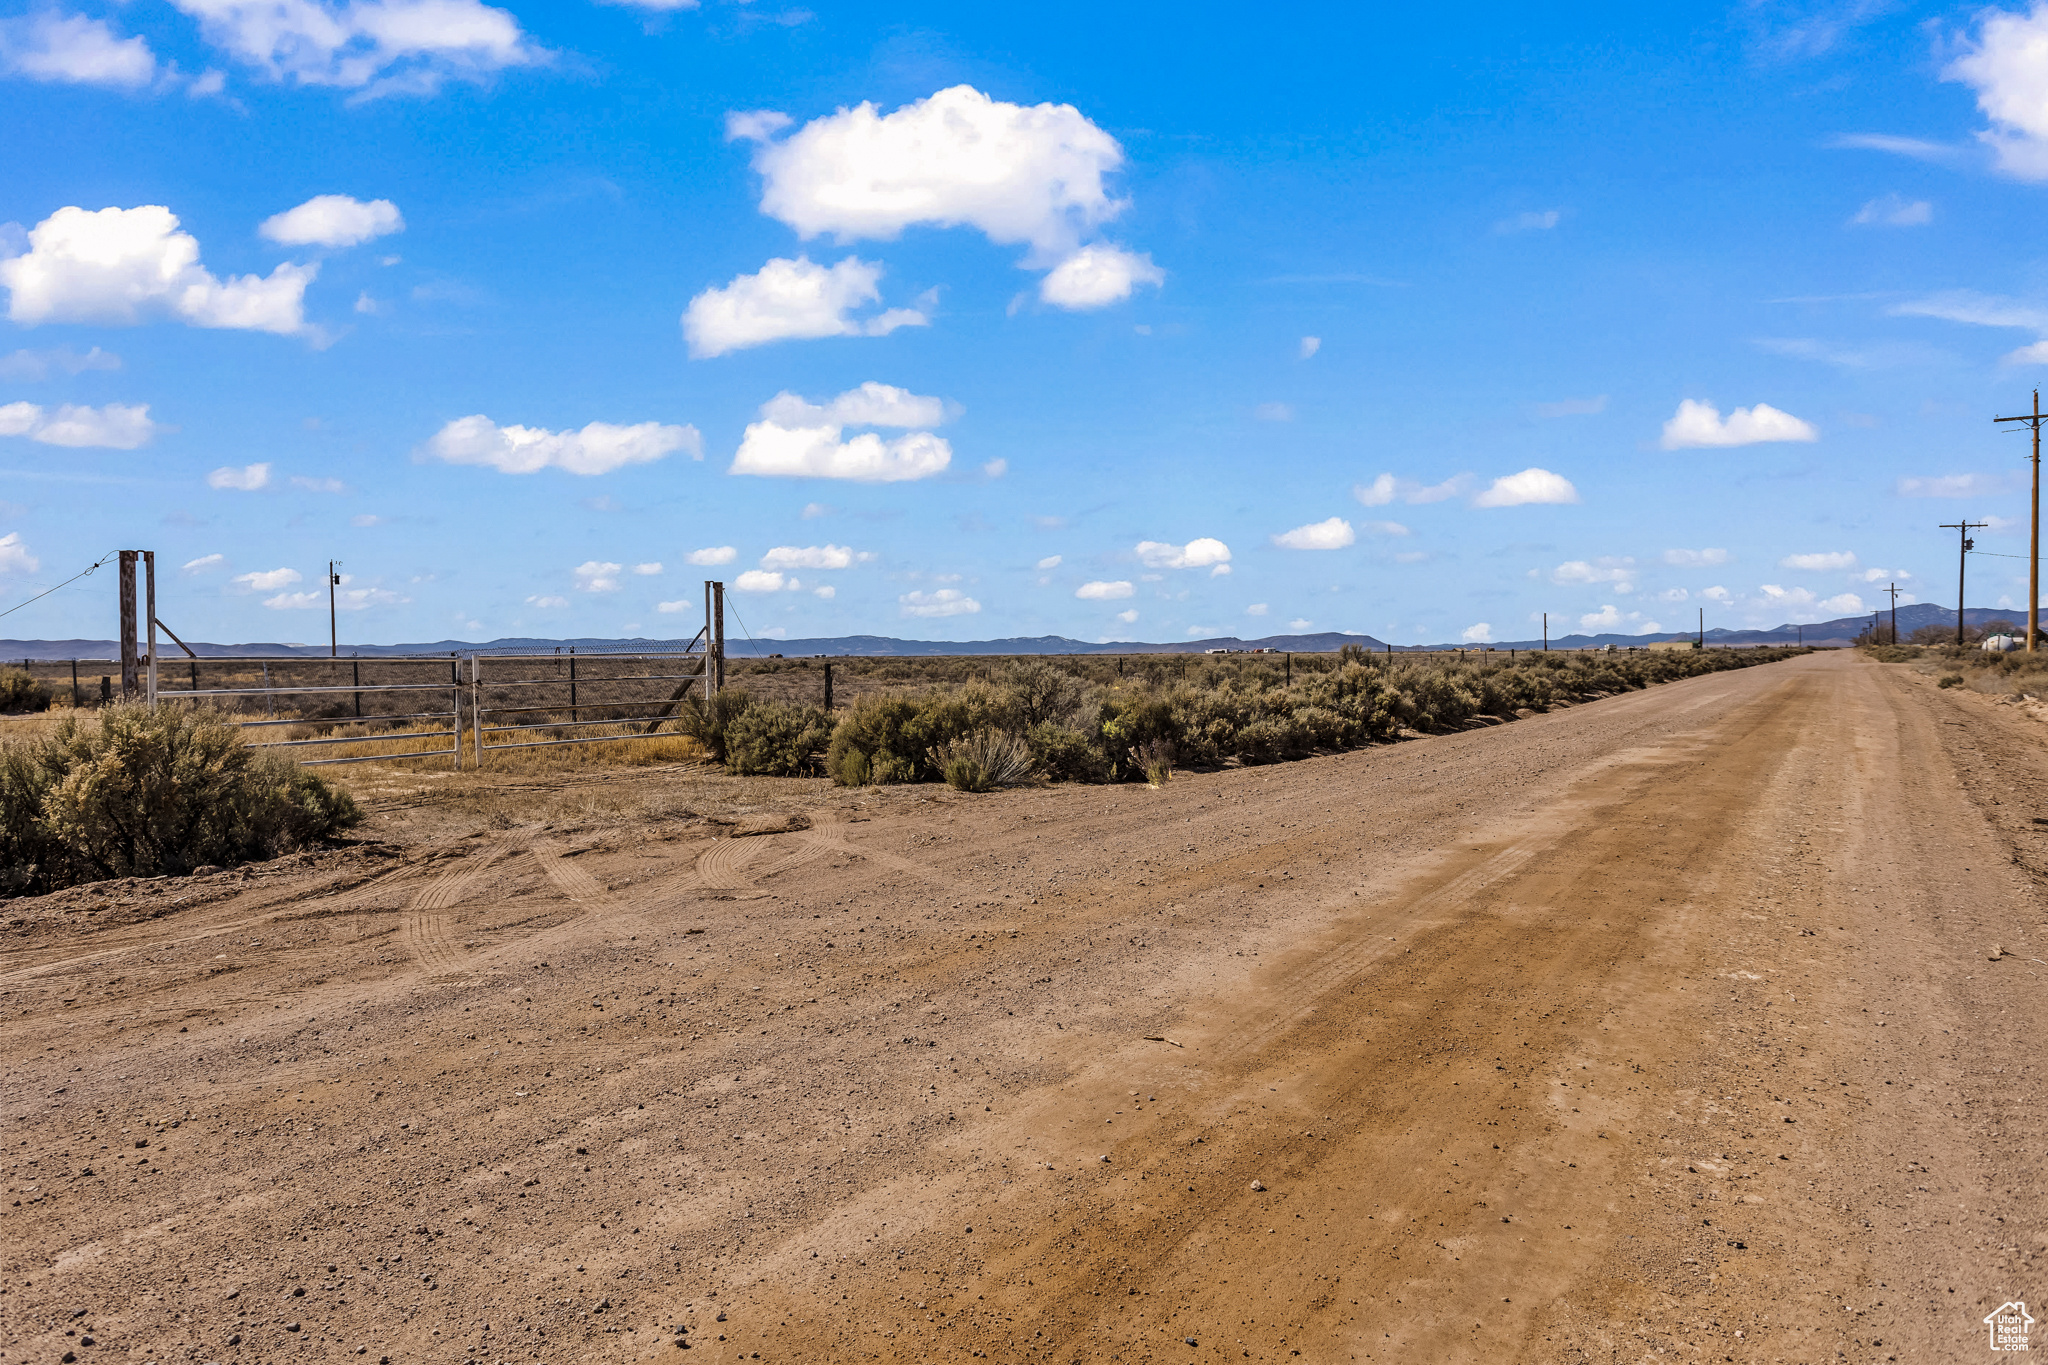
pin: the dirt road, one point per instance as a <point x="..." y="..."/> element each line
<point x="1665" y="1027"/>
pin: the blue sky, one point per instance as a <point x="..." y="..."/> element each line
<point x="948" y="323"/>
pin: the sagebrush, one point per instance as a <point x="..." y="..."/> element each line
<point x="1143" y="724"/>
<point x="133" y="792"/>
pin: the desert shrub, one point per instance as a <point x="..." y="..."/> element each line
<point x="1895" y="654"/>
<point x="983" y="761"/>
<point x="1065" y="754"/>
<point x="776" y="739"/>
<point x="137" y="792"/>
<point x="1440" y="697"/>
<point x="20" y="692"/>
<point x="1131" y="722"/>
<point x="944" y="717"/>
<point x="1034" y="693"/>
<point x="708" y="719"/>
<point x="1950" y="680"/>
<point x="1270" y="739"/>
<point x="869" y="744"/>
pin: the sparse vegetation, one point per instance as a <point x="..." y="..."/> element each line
<point x="984" y="760"/>
<point x="1076" y="720"/>
<point x="134" y="793"/>
<point x="19" y="692"/>
<point x="776" y="739"/>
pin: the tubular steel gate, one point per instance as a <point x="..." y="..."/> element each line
<point x="625" y="696"/>
<point x="337" y="704"/>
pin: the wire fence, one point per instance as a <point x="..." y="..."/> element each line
<point x="465" y="707"/>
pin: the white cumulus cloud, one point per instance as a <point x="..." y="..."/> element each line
<point x="715" y="554"/>
<point x="1842" y="602"/>
<point x="1616" y="569"/>
<point x="1022" y="175"/>
<point x="1695" y="559"/>
<point x="131" y="265"/>
<point x="791" y="300"/>
<point x="1819" y="563"/>
<point x="647" y="570"/>
<point x="939" y="602"/>
<point x="684" y="604"/>
<point x="1256" y="609"/>
<point x="116" y="426"/>
<point x="1097" y="276"/>
<point x="269" y="580"/>
<point x="248" y="478"/>
<point x="15" y="556"/>
<point x="1101" y="591"/>
<point x="1049" y="562"/>
<point x="71" y="49"/>
<point x="1530" y="486"/>
<point x="1204" y="552"/>
<point x="598" y="448"/>
<point x="333" y="220"/>
<point x="870" y="405"/>
<point x="1479" y="634"/>
<point x="1697" y="424"/>
<point x="376" y="46"/>
<point x="812" y="557"/>
<point x="1308" y="347"/>
<point x="1332" y="534"/>
<point x="2007" y="65"/>
<point x="546" y="603"/>
<point x="798" y="439"/>
<point x="765" y="580"/>
<point x="596" y="575"/>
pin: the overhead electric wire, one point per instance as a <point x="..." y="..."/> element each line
<point x="65" y="584"/>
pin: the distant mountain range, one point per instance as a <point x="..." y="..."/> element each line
<point x="1836" y="633"/>
<point x="1827" y="633"/>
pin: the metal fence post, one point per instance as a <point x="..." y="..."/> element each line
<point x="149" y="578"/>
<point x="476" y="707"/>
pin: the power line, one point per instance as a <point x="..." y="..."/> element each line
<point x="65" y="584"/>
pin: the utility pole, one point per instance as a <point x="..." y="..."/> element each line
<point x="1894" y="591"/>
<point x="2033" y="419"/>
<point x="1962" y="529"/>
<point x="333" y="582"/>
<point x="1703" y="628"/>
<point x="1546" y="632"/>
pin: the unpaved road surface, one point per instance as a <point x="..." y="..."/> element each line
<point x="1664" y="1027"/>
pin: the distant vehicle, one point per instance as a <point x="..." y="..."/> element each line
<point x="2001" y="644"/>
<point x="1215" y="651"/>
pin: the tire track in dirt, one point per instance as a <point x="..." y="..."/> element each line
<point x="426" y="921"/>
<point x="602" y="908"/>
